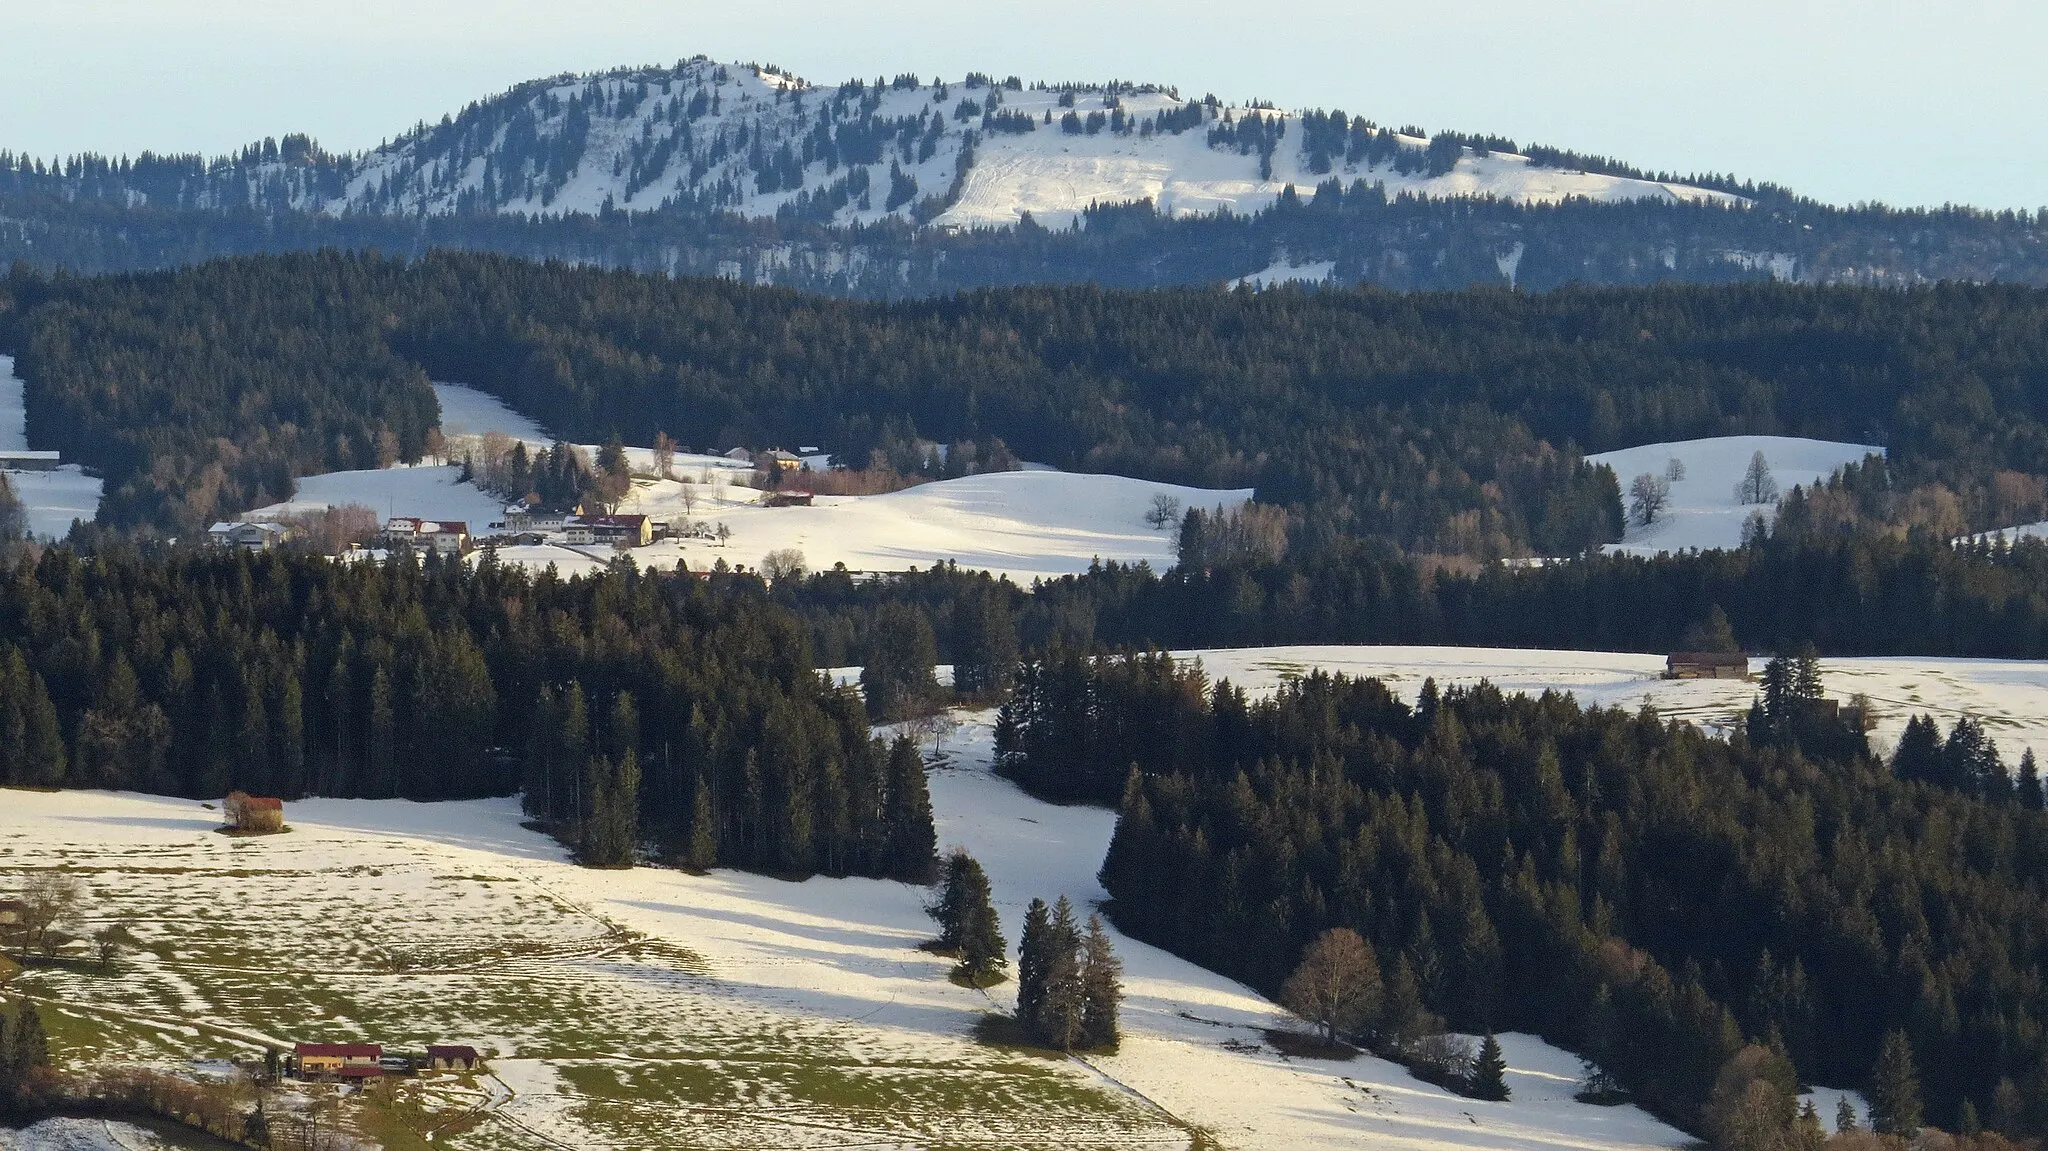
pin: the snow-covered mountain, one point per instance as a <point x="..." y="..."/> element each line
<point x="758" y="142"/>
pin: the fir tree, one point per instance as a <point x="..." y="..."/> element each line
<point x="703" y="851"/>
<point x="910" y="844"/>
<point x="1102" y="987"/>
<point x="1034" y="960"/>
<point x="2029" y="786"/>
<point x="1489" y="1071"/>
<point x="1895" y="1089"/>
<point x="1845" y="1115"/>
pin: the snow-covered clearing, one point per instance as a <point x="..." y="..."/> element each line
<point x="2011" y="535"/>
<point x="1704" y="511"/>
<point x="2010" y="697"/>
<point x="52" y="499"/>
<point x="467" y="411"/>
<point x="429" y="491"/>
<point x="1285" y="271"/>
<point x="1025" y="524"/>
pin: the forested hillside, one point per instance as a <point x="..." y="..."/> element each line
<point x="626" y="710"/>
<point x="1449" y="424"/>
<point x="906" y="187"/>
<point x="1632" y="888"/>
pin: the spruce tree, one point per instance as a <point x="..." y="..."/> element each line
<point x="1058" y="1023"/>
<point x="1845" y="1115"/>
<point x="703" y="850"/>
<point x="966" y="915"/>
<point x="1919" y="752"/>
<point x="1034" y="959"/>
<point x="909" y="840"/>
<point x="2029" y="787"/>
<point x="1895" y="1089"/>
<point x="1102" y="986"/>
<point x="1489" y="1071"/>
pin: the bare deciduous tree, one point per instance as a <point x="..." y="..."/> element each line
<point x="664" y="456"/>
<point x="1165" y="510"/>
<point x="784" y="564"/>
<point x="1758" y="486"/>
<point x="49" y="898"/>
<point x="1337" y="985"/>
<point x="1647" y="496"/>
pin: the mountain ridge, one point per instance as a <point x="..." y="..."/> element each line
<point x="902" y="187"/>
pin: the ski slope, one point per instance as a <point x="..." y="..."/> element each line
<point x="52" y="499"/>
<point x="1704" y="512"/>
<point x="2010" y="697"/>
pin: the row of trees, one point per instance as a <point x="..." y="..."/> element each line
<point x="630" y="710"/>
<point x="1620" y="884"/>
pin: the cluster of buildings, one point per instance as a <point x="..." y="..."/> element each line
<point x="332" y="1062"/>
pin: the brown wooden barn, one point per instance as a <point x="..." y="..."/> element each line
<point x="1706" y="665"/>
<point x="254" y="814"/>
<point x="453" y="1058"/>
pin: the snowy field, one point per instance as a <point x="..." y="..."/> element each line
<point x="52" y="499"/>
<point x="467" y="411"/>
<point x="1704" y="512"/>
<point x="2010" y="697"/>
<point x="654" y="1008"/>
<point x="80" y="1135"/>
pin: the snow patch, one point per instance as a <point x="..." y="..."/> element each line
<point x="1703" y="512"/>
<point x="52" y="499"/>
<point x="1285" y="271"/>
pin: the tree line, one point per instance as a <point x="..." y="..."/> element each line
<point x="1618" y="883"/>
<point x="631" y="711"/>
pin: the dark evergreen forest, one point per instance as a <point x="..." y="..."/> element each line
<point x="628" y="709"/>
<point x="1626" y="886"/>
<point x="1445" y="424"/>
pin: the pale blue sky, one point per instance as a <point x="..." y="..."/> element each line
<point x="1911" y="103"/>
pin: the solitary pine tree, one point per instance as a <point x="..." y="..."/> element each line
<point x="2029" y="788"/>
<point x="1895" y="1089"/>
<point x="703" y="849"/>
<point x="1490" y="1071"/>
<point x="1845" y="1114"/>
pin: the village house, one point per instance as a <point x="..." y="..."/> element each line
<point x="1706" y="665"/>
<point x="338" y="1060"/>
<point x="254" y="535"/>
<point x="780" y="460"/>
<point x="453" y="1058"/>
<point x="520" y="518"/>
<point x="254" y="814"/>
<point x="443" y="537"/>
<point x="632" y="531"/>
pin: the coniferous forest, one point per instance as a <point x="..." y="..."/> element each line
<point x="1630" y="887"/>
<point x="626" y="709"/>
<point x="1448" y="424"/>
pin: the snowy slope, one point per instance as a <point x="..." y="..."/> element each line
<point x="467" y="411"/>
<point x="428" y="491"/>
<point x="52" y="499"/>
<point x="739" y="138"/>
<point x="2010" y="697"/>
<point x="1704" y="512"/>
<point x="79" y="1135"/>
<point x="1025" y="524"/>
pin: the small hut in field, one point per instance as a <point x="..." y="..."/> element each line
<point x="253" y="814"/>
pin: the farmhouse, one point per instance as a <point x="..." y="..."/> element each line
<point x="445" y="537"/>
<point x="12" y="913"/>
<point x="1706" y="665"/>
<point x="453" y="1058"/>
<point x="254" y="535"/>
<point x="631" y="531"/>
<point x="253" y="814"/>
<point x="780" y="460"/>
<point x="338" y="1060"/>
<point x="520" y="518"/>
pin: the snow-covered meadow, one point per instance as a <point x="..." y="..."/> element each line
<point x="52" y="499"/>
<point x="2010" y="697"/>
<point x="657" y="1008"/>
<point x="1704" y="511"/>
